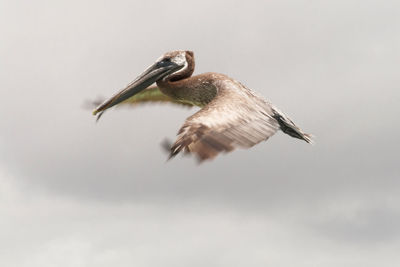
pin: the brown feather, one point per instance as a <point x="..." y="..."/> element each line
<point x="230" y="120"/>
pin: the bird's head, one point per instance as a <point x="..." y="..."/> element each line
<point x="171" y="66"/>
<point x="184" y="60"/>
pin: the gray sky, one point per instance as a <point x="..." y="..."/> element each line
<point x="77" y="193"/>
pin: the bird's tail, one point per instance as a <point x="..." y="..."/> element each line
<point x="288" y="127"/>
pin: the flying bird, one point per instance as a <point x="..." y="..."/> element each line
<point x="231" y="114"/>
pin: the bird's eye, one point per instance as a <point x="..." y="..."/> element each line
<point x="164" y="62"/>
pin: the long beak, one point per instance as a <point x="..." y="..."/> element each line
<point x="152" y="74"/>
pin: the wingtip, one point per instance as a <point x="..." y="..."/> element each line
<point x="166" y="145"/>
<point x="309" y="138"/>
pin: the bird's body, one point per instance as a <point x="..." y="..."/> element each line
<point x="231" y="115"/>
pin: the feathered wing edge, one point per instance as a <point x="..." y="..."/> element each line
<point x="229" y="121"/>
<point x="288" y="127"/>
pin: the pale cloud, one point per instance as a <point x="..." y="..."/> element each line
<point x="48" y="230"/>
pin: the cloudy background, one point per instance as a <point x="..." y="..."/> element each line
<point x="77" y="193"/>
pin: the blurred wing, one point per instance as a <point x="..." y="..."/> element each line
<point x="152" y="95"/>
<point x="232" y="119"/>
<point x="149" y="95"/>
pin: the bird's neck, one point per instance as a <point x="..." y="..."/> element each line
<point x="178" y="90"/>
<point x="196" y="90"/>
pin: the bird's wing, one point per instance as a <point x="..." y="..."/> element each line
<point x="232" y="119"/>
<point x="149" y="95"/>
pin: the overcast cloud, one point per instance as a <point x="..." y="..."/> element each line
<point x="77" y="193"/>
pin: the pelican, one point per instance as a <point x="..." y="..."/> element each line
<point x="231" y="114"/>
